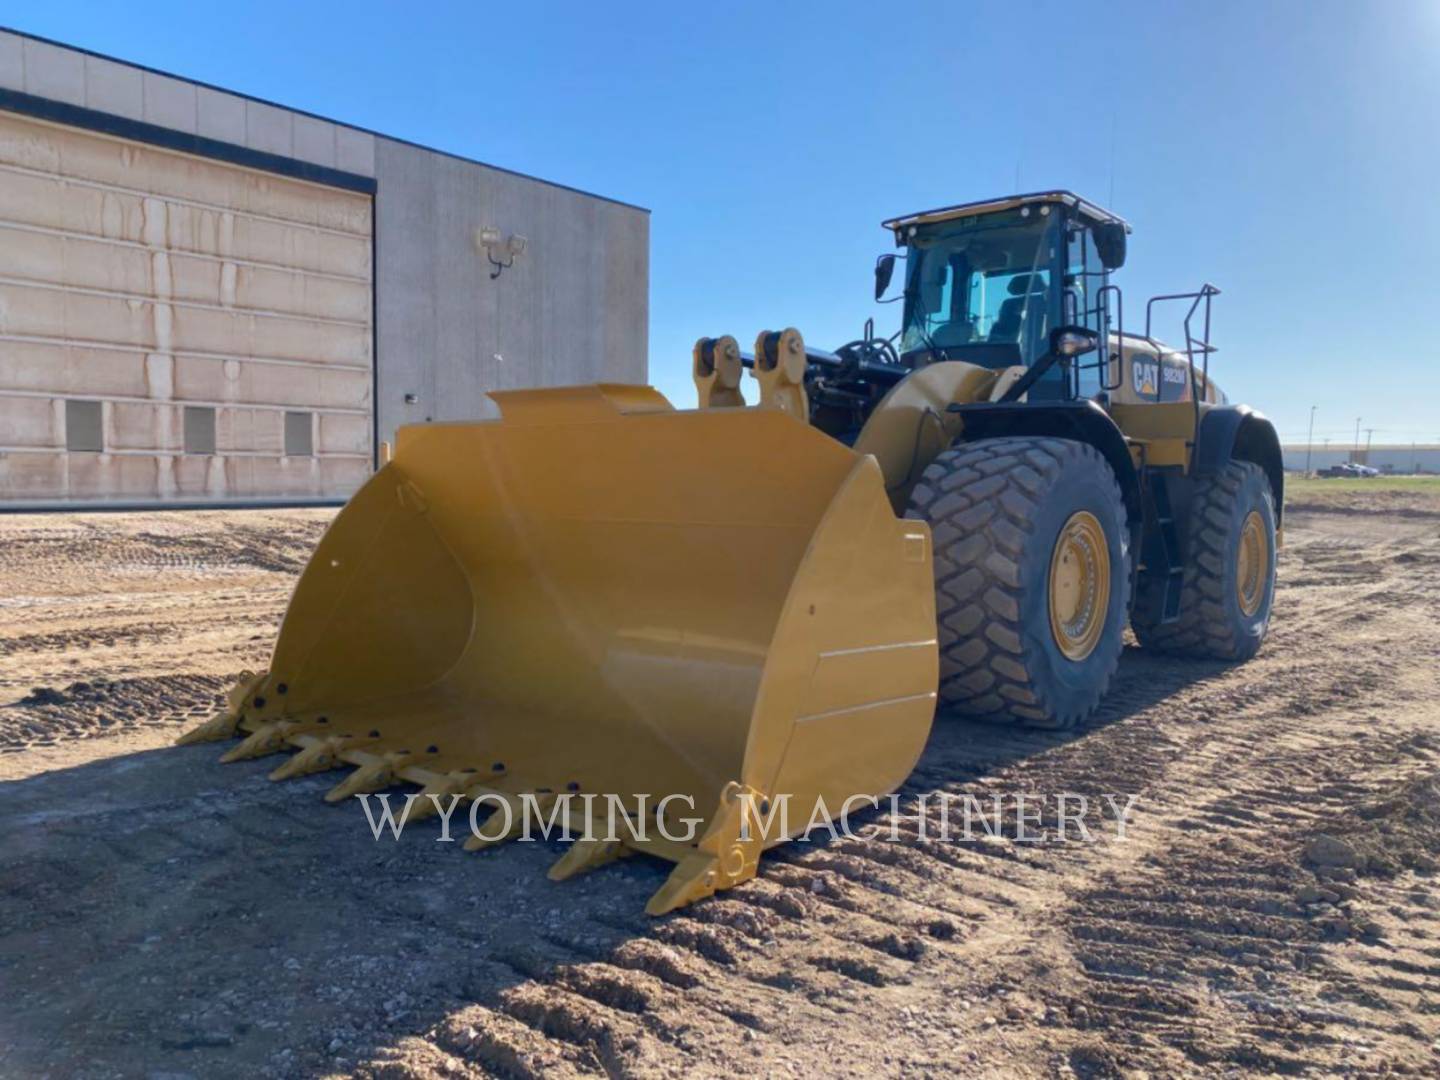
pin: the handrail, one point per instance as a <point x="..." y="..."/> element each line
<point x="1192" y="343"/>
<point x="1103" y="301"/>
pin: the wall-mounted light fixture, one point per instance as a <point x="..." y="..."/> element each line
<point x="501" y="252"/>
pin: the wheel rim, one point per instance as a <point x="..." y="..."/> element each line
<point x="1079" y="585"/>
<point x="1252" y="562"/>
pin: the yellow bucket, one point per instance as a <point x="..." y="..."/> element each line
<point x="598" y="594"/>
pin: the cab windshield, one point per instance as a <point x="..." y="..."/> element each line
<point x="978" y="288"/>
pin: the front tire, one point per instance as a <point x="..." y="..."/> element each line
<point x="1229" y="583"/>
<point x="1032" y="577"/>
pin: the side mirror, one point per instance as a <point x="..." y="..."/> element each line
<point x="1071" y="341"/>
<point x="1110" y="244"/>
<point x="884" y="271"/>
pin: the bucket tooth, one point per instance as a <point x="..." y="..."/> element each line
<point x="216" y="729"/>
<point x="376" y="776"/>
<point x="586" y="854"/>
<point x="266" y="739"/>
<point x="517" y="820"/>
<point x="244" y="686"/>
<point x="442" y="787"/>
<point x="225" y="725"/>
<point x="695" y="878"/>
<point x="317" y="757"/>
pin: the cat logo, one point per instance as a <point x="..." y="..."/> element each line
<point x="1145" y="377"/>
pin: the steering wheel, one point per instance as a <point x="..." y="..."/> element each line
<point x="872" y="350"/>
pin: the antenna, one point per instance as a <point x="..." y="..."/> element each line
<point x="1110" y="200"/>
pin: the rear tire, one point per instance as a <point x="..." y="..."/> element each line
<point x="1007" y="515"/>
<point x="1224" y="605"/>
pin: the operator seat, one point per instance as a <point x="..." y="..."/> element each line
<point x="1023" y="289"/>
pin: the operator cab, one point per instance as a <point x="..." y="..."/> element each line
<point x="986" y="282"/>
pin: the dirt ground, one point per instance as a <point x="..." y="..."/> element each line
<point x="1273" y="909"/>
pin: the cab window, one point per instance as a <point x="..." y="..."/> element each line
<point x="979" y="288"/>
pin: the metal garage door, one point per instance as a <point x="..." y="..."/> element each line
<point x="176" y="327"/>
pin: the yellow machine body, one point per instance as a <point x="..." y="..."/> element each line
<point x="599" y="594"/>
<point x="912" y="424"/>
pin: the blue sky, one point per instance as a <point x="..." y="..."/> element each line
<point x="1287" y="151"/>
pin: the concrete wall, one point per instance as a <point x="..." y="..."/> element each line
<point x="73" y="77"/>
<point x="150" y="280"/>
<point x="572" y="309"/>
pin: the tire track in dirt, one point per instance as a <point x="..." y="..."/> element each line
<point x="103" y="617"/>
<point x="1203" y="943"/>
<point x="1238" y="926"/>
<point x="1187" y="949"/>
<point x="85" y="709"/>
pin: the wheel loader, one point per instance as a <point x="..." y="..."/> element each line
<point x="719" y="613"/>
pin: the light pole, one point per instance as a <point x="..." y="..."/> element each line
<point x="1355" y="457"/>
<point x="1310" y="439"/>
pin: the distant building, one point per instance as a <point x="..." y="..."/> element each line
<point x="208" y="298"/>
<point x="1397" y="458"/>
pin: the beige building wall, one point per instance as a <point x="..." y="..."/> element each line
<point x="150" y="280"/>
<point x="187" y="310"/>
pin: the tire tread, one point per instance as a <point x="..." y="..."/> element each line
<point x="1203" y="629"/>
<point x="981" y="500"/>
